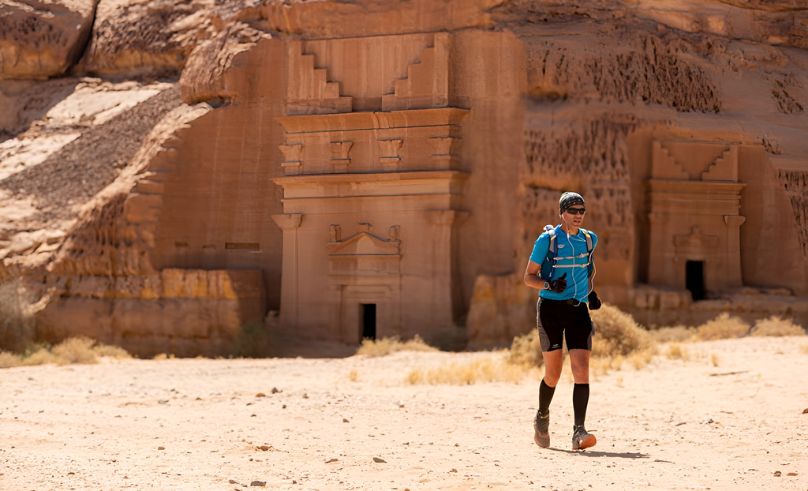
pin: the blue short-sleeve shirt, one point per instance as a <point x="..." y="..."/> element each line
<point x="570" y="251"/>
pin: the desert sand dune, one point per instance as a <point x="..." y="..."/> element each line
<point x="729" y="417"/>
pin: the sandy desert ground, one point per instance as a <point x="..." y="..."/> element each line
<point x="201" y="424"/>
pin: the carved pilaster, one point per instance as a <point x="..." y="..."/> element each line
<point x="389" y="153"/>
<point x="334" y="234"/>
<point x="288" y="221"/>
<point x="290" y="283"/>
<point x="443" y="150"/>
<point x="292" y="163"/>
<point x="734" y="273"/>
<point x="340" y="155"/>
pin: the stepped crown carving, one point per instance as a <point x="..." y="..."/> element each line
<point x="695" y="161"/>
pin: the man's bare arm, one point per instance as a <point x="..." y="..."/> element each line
<point x="531" y="277"/>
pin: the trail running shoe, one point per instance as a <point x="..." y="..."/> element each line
<point x="541" y="429"/>
<point x="581" y="439"/>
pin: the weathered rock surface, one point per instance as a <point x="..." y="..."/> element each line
<point x="42" y="38"/>
<point x="146" y="37"/>
<point x="56" y="167"/>
<point x="209" y="74"/>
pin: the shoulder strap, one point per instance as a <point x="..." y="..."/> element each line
<point x="588" y="236"/>
<point x="551" y="232"/>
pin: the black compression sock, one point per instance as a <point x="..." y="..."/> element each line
<point x="580" y="398"/>
<point x="545" y="396"/>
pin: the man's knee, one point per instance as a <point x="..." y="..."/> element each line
<point x="579" y="363"/>
<point x="551" y="378"/>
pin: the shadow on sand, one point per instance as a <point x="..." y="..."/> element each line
<point x="599" y="453"/>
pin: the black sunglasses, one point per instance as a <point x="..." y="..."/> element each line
<point x="576" y="211"/>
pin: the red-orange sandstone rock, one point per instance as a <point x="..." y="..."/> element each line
<point x="42" y="38"/>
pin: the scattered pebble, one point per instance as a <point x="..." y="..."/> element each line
<point x="777" y="473"/>
<point x="258" y="483"/>
<point x="260" y="394"/>
<point x="264" y="448"/>
<point x="275" y="390"/>
<point x="161" y="448"/>
<point x="379" y="460"/>
<point x="345" y="420"/>
<point x="331" y="460"/>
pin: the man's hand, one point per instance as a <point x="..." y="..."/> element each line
<point x="558" y="285"/>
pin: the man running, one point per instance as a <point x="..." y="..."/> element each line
<point x="559" y="268"/>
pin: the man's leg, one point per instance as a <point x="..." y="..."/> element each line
<point x="550" y="339"/>
<point x="552" y="372"/>
<point x="579" y="360"/>
<point x="579" y="341"/>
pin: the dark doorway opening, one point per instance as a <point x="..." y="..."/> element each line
<point x="694" y="279"/>
<point x="368" y="319"/>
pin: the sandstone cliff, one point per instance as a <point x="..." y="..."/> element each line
<point x="145" y="212"/>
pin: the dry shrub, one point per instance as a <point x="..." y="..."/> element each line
<point x="677" y="352"/>
<point x="617" y="333"/>
<point x="724" y="326"/>
<point x="775" y="326"/>
<point x="674" y="334"/>
<point x="41" y="356"/>
<point x="72" y="350"/>
<point x="8" y="360"/>
<point x="76" y="350"/>
<point x="526" y="350"/>
<point x="110" y="351"/>
<point x="482" y="371"/>
<point x="385" y="346"/>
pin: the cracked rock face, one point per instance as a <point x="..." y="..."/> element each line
<point x="42" y="39"/>
<point x="151" y="37"/>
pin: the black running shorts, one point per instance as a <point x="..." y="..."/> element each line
<point x="558" y="319"/>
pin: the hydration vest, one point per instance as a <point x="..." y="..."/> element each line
<point x="549" y="263"/>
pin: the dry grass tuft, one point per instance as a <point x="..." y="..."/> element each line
<point x="110" y="351"/>
<point x="804" y="348"/>
<point x="722" y="327"/>
<point x="71" y="350"/>
<point x="478" y="371"/>
<point x="714" y="360"/>
<point x="677" y="352"/>
<point x="674" y="334"/>
<point x="353" y="376"/>
<point x="41" y="356"/>
<point x="8" y="360"/>
<point x="775" y="326"/>
<point x="76" y="350"/>
<point x="526" y="350"/>
<point x="385" y="346"/>
<point x="617" y="333"/>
